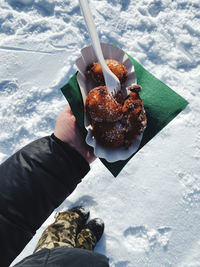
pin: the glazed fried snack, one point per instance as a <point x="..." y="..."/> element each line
<point x="116" y="67"/>
<point x="101" y="106"/>
<point x="109" y="134"/>
<point x="116" y="122"/>
<point x="134" y="115"/>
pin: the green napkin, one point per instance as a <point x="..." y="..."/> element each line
<point x="161" y="103"/>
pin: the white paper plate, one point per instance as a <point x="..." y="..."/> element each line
<point x="86" y="84"/>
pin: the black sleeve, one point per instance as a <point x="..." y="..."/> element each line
<point x="33" y="182"/>
<point x="65" y="257"/>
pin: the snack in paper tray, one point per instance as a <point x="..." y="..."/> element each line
<point x="116" y="121"/>
<point x="112" y="136"/>
<point x="116" y="67"/>
<point x="102" y="106"/>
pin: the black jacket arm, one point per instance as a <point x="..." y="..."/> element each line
<point x="33" y="182"/>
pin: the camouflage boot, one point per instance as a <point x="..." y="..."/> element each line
<point x="90" y="234"/>
<point x="63" y="232"/>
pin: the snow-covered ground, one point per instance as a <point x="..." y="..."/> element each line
<point x="152" y="209"/>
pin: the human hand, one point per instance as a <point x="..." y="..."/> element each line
<point x="68" y="131"/>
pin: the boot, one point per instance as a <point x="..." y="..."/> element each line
<point x="90" y="234"/>
<point x="63" y="232"/>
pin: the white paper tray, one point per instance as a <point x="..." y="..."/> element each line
<point x="86" y="83"/>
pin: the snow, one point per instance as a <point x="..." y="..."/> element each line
<point x="151" y="210"/>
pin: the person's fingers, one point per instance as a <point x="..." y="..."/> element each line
<point x="68" y="110"/>
<point x="67" y="130"/>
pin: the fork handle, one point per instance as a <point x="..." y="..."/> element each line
<point x="93" y="35"/>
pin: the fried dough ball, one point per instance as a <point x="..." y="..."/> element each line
<point x="101" y="106"/>
<point x="135" y="116"/>
<point x="133" y="103"/>
<point x="109" y="134"/>
<point x="119" y="97"/>
<point x="116" y="67"/>
<point x="116" y="122"/>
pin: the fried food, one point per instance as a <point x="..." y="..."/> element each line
<point x="116" y="67"/>
<point x="116" y="121"/>
<point x="109" y="134"/>
<point x="135" y="116"/>
<point x="101" y="106"/>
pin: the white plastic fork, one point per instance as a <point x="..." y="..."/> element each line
<point x="111" y="80"/>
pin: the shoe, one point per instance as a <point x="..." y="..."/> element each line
<point x="76" y="217"/>
<point x="83" y="212"/>
<point x="96" y="226"/>
<point x="63" y="232"/>
<point x="90" y="234"/>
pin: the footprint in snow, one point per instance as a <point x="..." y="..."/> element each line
<point x="155" y="8"/>
<point x="123" y="264"/>
<point x="191" y="183"/>
<point x="44" y="7"/>
<point x="142" y="239"/>
<point x="124" y="4"/>
<point x="8" y="87"/>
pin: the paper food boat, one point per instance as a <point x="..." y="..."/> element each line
<point x="86" y="83"/>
